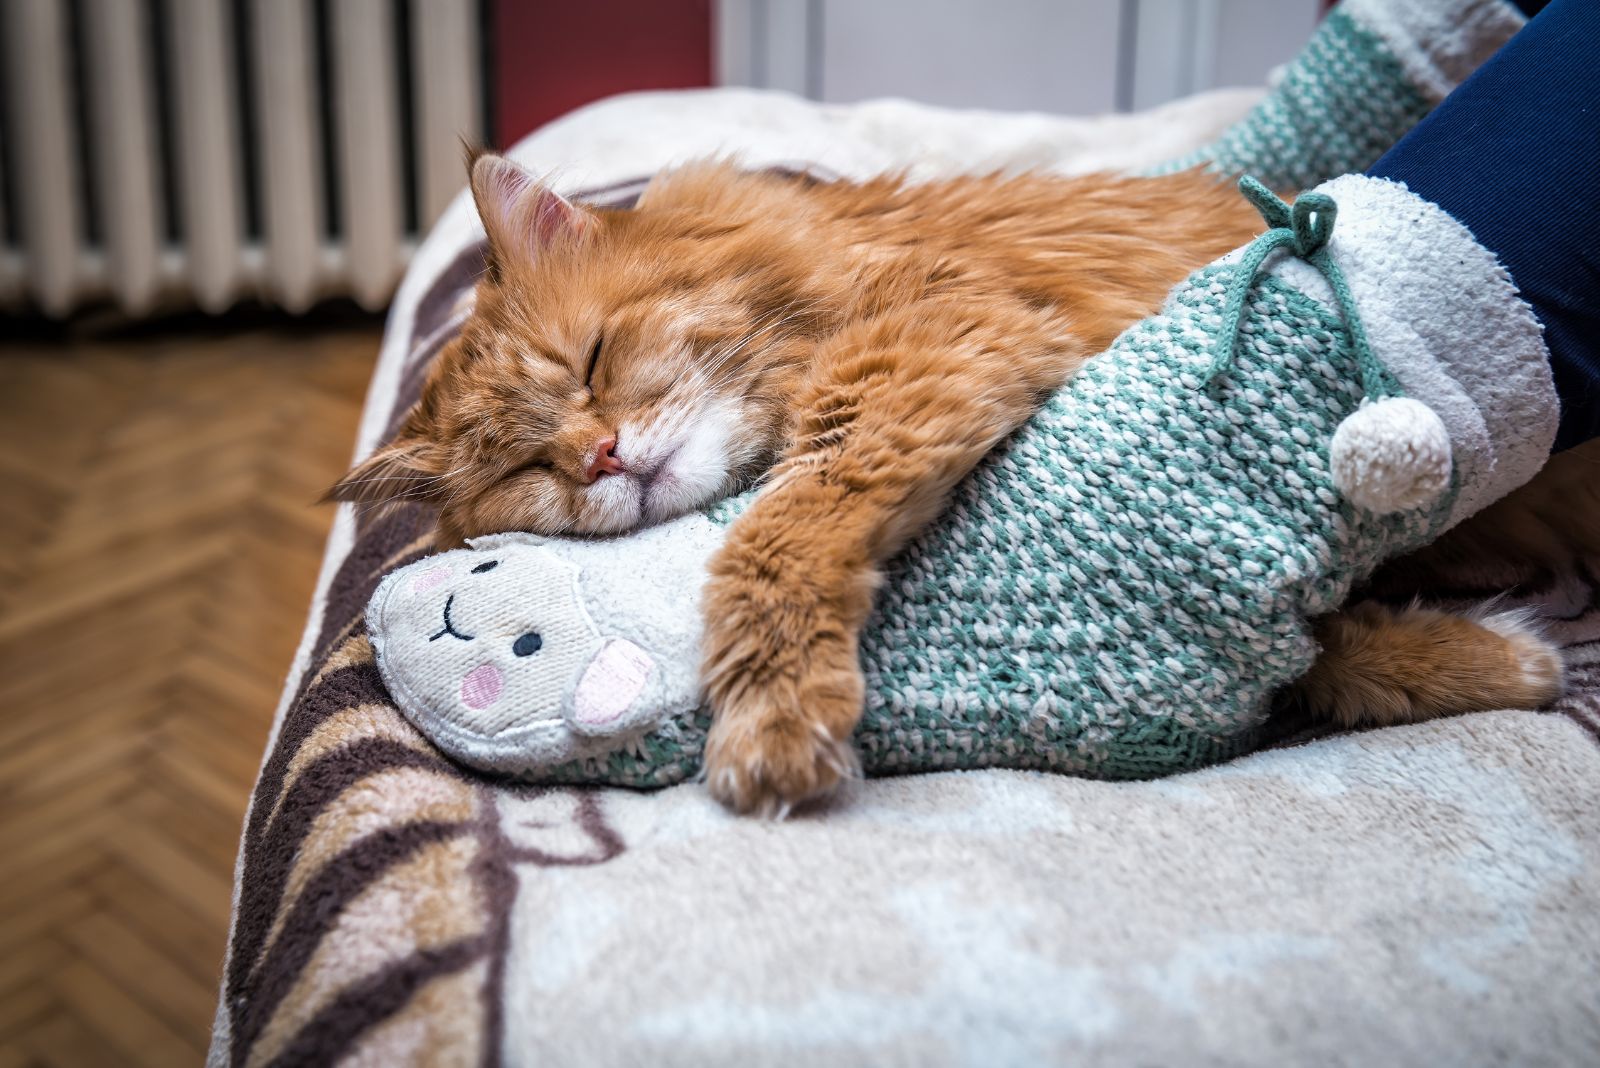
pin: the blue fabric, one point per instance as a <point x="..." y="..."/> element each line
<point x="1514" y="154"/>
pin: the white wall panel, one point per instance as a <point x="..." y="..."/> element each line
<point x="1063" y="56"/>
<point x="1254" y="36"/>
<point x="1052" y="55"/>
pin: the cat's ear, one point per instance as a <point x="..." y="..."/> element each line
<point x="406" y="469"/>
<point x="521" y="214"/>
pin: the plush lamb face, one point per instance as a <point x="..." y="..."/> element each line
<point x="522" y="652"/>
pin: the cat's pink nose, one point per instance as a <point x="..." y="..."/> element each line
<point x="605" y="460"/>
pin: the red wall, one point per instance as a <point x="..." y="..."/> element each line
<point x="550" y="57"/>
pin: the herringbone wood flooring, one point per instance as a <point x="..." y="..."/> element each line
<point x="158" y="548"/>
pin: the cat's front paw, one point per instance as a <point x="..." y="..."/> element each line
<point x="766" y="763"/>
<point x="785" y="690"/>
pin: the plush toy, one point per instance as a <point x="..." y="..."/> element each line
<point x="1115" y="592"/>
<point x="566" y="659"/>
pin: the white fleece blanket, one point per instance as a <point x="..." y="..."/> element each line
<point x="1423" y="895"/>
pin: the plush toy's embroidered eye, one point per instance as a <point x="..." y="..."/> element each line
<point x="487" y="566"/>
<point x="528" y="644"/>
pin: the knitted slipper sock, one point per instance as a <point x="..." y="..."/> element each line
<point x="1116" y="591"/>
<point x="1373" y="69"/>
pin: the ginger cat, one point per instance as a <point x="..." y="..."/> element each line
<point x="860" y="346"/>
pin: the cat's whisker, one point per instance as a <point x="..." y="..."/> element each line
<point x="416" y="489"/>
<point x="407" y="479"/>
<point x="718" y="359"/>
<point x="379" y="478"/>
<point x="737" y="377"/>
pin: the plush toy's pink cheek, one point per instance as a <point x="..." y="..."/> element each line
<point x="611" y="682"/>
<point x="481" y="686"/>
<point x="430" y="579"/>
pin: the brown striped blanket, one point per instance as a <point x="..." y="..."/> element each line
<point x="1420" y="895"/>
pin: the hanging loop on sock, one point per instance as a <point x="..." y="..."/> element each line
<point x="1310" y="220"/>
<point x="1392" y="453"/>
<point x="1304" y="229"/>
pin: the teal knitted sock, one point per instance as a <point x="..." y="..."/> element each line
<point x="1115" y="592"/>
<point x="1373" y="69"/>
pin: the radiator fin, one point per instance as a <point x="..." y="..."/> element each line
<point x="40" y="155"/>
<point x="210" y="187"/>
<point x="122" y="113"/>
<point x="291" y="155"/>
<point x="365" y="88"/>
<point x="445" y="43"/>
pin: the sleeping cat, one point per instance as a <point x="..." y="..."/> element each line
<point x="860" y="347"/>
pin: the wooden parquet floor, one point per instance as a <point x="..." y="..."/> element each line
<point x="158" y="548"/>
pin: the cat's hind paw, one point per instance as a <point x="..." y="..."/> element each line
<point x="1540" y="671"/>
<point x="1382" y="665"/>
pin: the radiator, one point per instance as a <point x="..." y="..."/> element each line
<point x="162" y="154"/>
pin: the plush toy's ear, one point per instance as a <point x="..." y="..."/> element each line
<point x="490" y="542"/>
<point x="521" y="215"/>
<point x="405" y="469"/>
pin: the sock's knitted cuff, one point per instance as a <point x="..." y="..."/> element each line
<point x="1445" y="318"/>
<point x="1438" y="42"/>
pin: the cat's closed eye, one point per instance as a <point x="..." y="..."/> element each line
<point x="594" y="358"/>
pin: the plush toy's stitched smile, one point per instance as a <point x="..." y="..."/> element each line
<point x="448" y="628"/>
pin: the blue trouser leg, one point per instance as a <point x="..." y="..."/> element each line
<point x="1514" y="155"/>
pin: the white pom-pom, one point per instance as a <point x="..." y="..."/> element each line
<point x="1391" y="455"/>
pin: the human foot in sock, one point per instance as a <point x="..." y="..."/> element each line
<point x="1115" y="592"/>
<point x="1373" y="69"/>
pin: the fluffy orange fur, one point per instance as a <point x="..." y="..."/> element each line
<point x="858" y="345"/>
